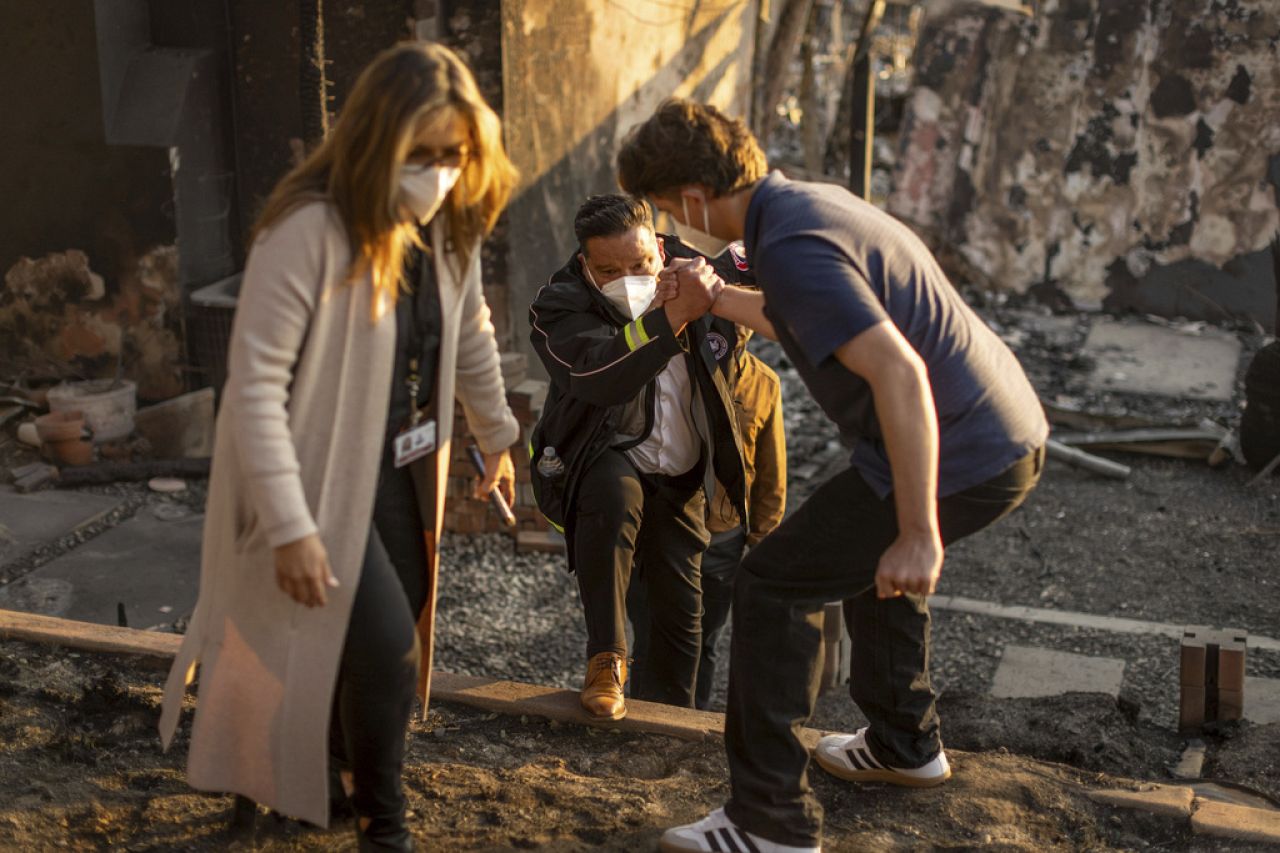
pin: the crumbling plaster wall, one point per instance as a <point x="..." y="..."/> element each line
<point x="577" y="75"/>
<point x="1123" y="152"/>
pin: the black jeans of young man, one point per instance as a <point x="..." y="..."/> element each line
<point x="719" y="568"/>
<point x="828" y="550"/>
<point x="379" y="670"/>
<point x="621" y="517"/>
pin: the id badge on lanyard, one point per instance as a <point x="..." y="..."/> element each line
<point x="418" y="438"/>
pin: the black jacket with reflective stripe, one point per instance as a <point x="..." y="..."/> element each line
<point x="599" y="361"/>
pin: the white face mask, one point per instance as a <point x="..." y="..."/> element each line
<point x="704" y="241"/>
<point x="422" y="191"/>
<point x="630" y="294"/>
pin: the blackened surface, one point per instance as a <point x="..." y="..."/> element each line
<point x="1244" y="287"/>
<point x="1117" y="21"/>
<point x="1173" y="96"/>
<point x="1072" y="26"/>
<point x="1241" y="85"/>
<point x="1092" y="149"/>
<point x="941" y="60"/>
<point x="1273" y="175"/>
<point x="963" y="194"/>
<point x="268" y="110"/>
<point x="62" y="186"/>
<point x="1188" y="48"/>
<point x="1204" y="138"/>
<point x="473" y="28"/>
<point x="356" y="32"/>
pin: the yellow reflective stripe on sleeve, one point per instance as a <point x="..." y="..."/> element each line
<point x="644" y="336"/>
<point x="626" y="333"/>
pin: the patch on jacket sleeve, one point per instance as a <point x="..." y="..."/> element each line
<point x="738" y="251"/>
<point x="719" y="346"/>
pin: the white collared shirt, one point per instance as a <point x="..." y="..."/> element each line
<point x="673" y="445"/>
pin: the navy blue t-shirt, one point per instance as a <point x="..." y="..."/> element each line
<point x="832" y="266"/>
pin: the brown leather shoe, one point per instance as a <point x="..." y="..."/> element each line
<point x="602" y="689"/>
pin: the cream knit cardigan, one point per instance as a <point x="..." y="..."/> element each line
<point x="297" y="452"/>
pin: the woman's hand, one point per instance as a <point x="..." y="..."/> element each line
<point x="501" y="472"/>
<point x="302" y="570"/>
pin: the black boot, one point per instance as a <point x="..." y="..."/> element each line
<point x="384" y="834"/>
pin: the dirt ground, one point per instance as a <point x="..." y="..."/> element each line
<point x="81" y="768"/>
<point x="1177" y="543"/>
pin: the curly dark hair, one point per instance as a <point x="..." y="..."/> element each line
<point x="685" y="142"/>
<point x="609" y="215"/>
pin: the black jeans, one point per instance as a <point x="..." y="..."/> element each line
<point x="621" y="517"/>
<point x="828" y="551"/>
<point x="719" y="568"/>
<point x="379" y="670"/>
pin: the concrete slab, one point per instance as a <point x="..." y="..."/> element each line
<point x="1148" y="359"/>
<point x="1261" y="699"/>
<point x="149" y="565"/>
<point x="1026" y="672"/>
<point x="30" y="520"/>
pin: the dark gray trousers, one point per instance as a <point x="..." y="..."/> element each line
<point x="828" y="550"/>
<point x="624" y="517"/>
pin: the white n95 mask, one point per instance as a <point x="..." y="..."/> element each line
<point x="631" y="294"/>
<point x="703" y="240"/>
<point x="423" y="191"/>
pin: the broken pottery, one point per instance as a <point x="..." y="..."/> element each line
<point x="108" y="405"/>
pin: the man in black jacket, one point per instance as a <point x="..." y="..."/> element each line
<point x="638" y="421"/>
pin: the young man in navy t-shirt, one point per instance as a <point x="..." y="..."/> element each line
<point x="948" y="436"/>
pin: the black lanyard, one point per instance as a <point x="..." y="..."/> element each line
<point x="413" y="379"/>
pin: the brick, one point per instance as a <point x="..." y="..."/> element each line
<point x="544" y="542"/>
<point x="1191" y="663"/>
<point x="1230" y="704"/>
<point x="1191" y="708"/>
<point x="1226" y="820"/>
<point x="528" y="396"/>
<point x="1166" y="800"/>
<point x="515" y="368"/>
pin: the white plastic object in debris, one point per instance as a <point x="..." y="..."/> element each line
<point x="27" y="434"/>
<point x="167" y="485"/>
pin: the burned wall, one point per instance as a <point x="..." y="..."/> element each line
<point x="59" y="319"/>
<point x="63" y="187"/>
<point x="1123" y="153"/>
<point x="577" y="75"/>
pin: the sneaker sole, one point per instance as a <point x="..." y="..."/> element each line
<point x="888" y="776"/>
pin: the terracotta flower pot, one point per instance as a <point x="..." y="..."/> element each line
<point x="60" y="426"/>
<point x="71" y="451"/>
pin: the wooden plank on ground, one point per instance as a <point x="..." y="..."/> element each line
<point x="34" y="628"/>
<point x="490" y="694"/>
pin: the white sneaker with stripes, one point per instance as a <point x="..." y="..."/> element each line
<point x="715" y="833"/>
<point x="848" y="757"/>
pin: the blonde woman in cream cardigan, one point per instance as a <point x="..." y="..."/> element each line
<point x="360" y="319"/>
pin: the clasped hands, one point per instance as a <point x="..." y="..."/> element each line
<point x="687" y="289"/>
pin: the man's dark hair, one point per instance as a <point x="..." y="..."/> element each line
<point x="689" y="143"/>
<point x="610" y="215"/>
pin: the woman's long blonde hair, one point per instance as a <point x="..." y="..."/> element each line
<point x="357" y="167"/>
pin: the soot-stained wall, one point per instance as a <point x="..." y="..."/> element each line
<point x="1123" y="152"/>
